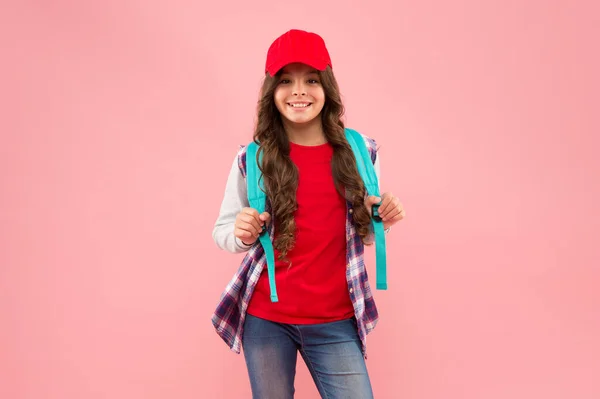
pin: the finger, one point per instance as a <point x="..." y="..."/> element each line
<point x="392" y="208"/>
<point x="394" y="213"/>
<point x="254" y="213"/>
<point x="250" y="220"/>
<point x="401" y="209"/>
<point x="398" y="215"/>
<point x="386" y="205"/>
<point x="248" y="227"/>
<point x="251" y="212"/>
<point x="245" y="235"/>
<point x="265" y="217"/>
<point x="252" y="224"/>
<point x="372" y="200"/>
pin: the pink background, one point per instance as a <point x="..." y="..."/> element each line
<point x="120" y="121"/>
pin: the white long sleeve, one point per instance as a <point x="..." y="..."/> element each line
<point x="234" y="199"/>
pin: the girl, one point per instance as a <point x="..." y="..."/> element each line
<point x="319" y="218"/>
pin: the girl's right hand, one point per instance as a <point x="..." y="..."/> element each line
<point x="249" y="224"/>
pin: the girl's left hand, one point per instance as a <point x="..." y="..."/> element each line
<point x="390" y="210"/>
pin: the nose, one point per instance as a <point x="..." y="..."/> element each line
<point x="299" y="89"/>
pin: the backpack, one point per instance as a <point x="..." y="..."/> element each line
<point x="257" y="199"/>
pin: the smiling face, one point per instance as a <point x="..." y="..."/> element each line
<point x="299" y="95"/>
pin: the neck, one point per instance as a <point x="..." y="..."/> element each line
<point x="307" y="134"/>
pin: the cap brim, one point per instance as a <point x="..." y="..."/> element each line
<point x="317" y="64"/>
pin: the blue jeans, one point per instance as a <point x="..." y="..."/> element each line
<point x="332" y="352"/>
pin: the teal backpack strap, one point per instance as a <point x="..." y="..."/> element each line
<point x="367" y="172"/>
<point x="257" y="199"/>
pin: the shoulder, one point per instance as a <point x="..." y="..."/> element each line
<point x="371" y="144"/>
<point x="241" y="158"/>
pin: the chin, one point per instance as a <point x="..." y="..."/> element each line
<point x="302" y="121"/>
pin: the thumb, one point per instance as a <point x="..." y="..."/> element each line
<point x="265" y="217"/>
<point x="372" y="200"/>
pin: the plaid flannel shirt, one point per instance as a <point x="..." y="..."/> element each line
<point x="229" y="316"/>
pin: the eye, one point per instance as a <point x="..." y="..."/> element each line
<point x="284" y="81"/>
<point x="313" y="81"/>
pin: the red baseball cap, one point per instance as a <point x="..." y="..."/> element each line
<point x="297" y="46"/>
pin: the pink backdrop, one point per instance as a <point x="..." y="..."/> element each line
<point x="120" y="121"/>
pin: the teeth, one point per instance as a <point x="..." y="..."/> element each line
<point x="299" y="105"/>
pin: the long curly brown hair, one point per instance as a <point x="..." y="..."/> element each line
<point x="281" y="175"/>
